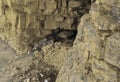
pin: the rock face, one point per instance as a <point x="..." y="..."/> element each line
<point x="95" y="56"/>
<point x="22" y="21"/>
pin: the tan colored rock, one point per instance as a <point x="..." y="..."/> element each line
<point x="112" y="52"/>
<point x="56" y="55"/>
<point x="22" y="21"/>
<point x="74" y="4"/>
<point x="37" y="54"/>
<point x="96" y="51"/>
<point x="50" y="7"/>
<point x="67" y="24"/>
<point x="64" y="3"/>
<point x="50" y="23"/>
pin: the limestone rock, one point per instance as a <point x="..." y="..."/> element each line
<point x="24" y="21"/>
<point x="112" y="52"/>
<point x="55" y="54"/>
<point x="95" y="56"/>
<point x="74" y="4"/>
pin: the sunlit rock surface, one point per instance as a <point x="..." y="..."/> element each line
<point x="95" y="56"/>
<point x="22" y="22"/>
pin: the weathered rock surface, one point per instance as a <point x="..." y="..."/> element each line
<point x="41" y="66"/>
<point x="55" y="55"/>
<point x="95" y="56"/>
<point x="24" y="21"/>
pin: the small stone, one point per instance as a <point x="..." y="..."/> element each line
<point x="28" y="80"/>
<point x="41" y="75"/>
<point x="45" y="80"/>
<point x="74" y="3"/>
<point x="34" y="79"/>
<point x="9" y="62"/>
<point x="28" y="52"/>
<point x="16" y="57"/>
<point x="36" y="54"/>
<point x="29" y="74"/>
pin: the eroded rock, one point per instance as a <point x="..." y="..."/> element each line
<point x="95" y="54"/>
<point x="22" y="22"/>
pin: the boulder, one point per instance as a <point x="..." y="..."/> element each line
<point x="95" y="56"/>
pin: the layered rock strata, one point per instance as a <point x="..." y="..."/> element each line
<point x="24" y="21"/>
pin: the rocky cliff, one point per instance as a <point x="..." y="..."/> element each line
<point x="29" y="25"/>
<point x="23" y="22"/>
<point x="95" y="56"/>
